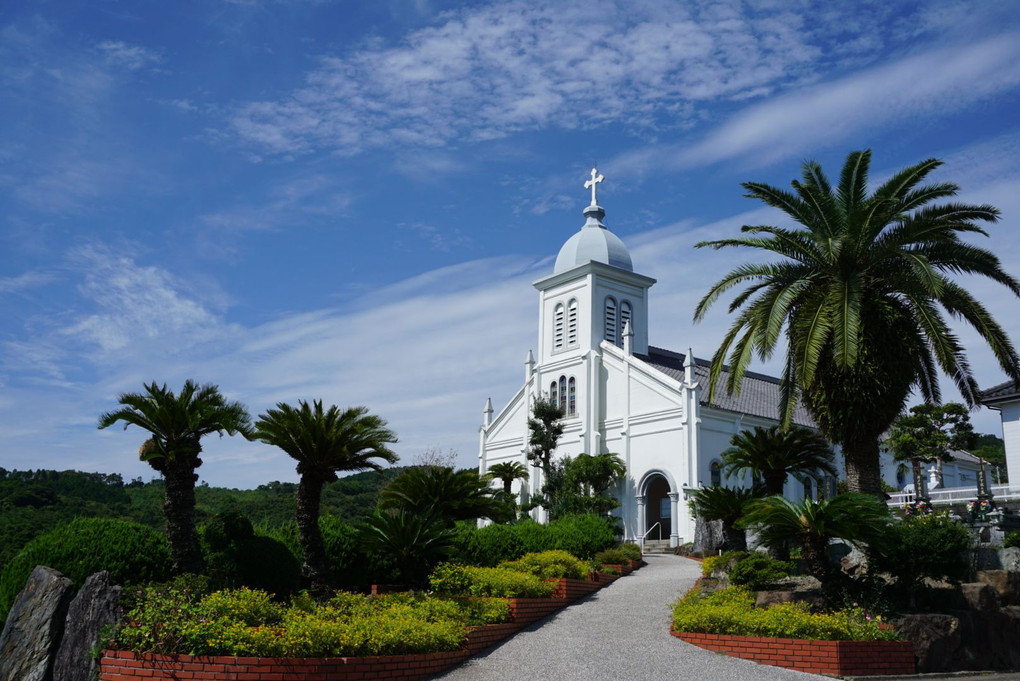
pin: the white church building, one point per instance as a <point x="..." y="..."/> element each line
<point x="622" y="395"/>
<point x="646" y="404"/>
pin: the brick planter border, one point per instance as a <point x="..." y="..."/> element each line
<point x="836" y="658"/>
<point x="122" y="665"/>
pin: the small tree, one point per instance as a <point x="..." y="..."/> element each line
<point x="545" y="428"/>
<point x="586" y="482"/>
<point x="506" y="472"/>
<point x="928" y="433"/>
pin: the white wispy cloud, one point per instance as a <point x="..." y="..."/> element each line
<point x="816" y="117"/>
<point x="487" y="72"/>
<point x="128" y="56"/>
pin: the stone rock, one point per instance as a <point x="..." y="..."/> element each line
<point x="32" y="633"/>
<point x="1006" y="584"/>
<point x="854" y="563"/>
<point x="980" y="596"/>
<point x="1009" y="559"/>
<point x="935" y="638"/>
<point x="94" y="608"/>
<point x="708" y="536"/>
<point x="813" y="597"/>
<point x="998" y="559"/>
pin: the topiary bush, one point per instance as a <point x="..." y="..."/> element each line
<point x="131" y="553"/>
<point x="758" y="571"/>
<point x="549" y="565"/>
<point x="612" y="557"/>
<point x="236" y="557"/>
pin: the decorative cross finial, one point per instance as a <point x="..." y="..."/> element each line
<point x="595" y="180"/>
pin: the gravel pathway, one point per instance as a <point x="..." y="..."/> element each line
<point x="619" y="632"/>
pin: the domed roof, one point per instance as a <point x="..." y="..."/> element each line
<point x="593" y="243"/>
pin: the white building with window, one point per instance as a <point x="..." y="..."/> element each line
<point x="621" y="395"/>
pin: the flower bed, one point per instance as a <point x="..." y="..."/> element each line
<point x="837" y="658"/>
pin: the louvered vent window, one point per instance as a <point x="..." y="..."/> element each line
<point x="563" y="394"/>
<point x="571" y="397"/>
<point x="558" y="327"/>
<point x="572" y="323"/>
<point x="625" y="316"/>
<point x="610" y="320"/>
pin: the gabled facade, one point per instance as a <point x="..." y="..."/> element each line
<point x="1005" y="398"/>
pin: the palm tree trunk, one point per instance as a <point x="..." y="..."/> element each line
<point x="316" y="565"/>
<point x="863" y="468"/>
<point x="179" y="510"/>
<point x="774" y="483"/>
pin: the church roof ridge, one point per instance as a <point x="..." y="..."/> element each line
<point x="1002" y="391"/>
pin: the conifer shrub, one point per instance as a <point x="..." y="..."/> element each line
<point x="131" y="553"/>
<point x="236" y="557"/>
<point x="759" y="571"/>
<point x="612" y="557"/>
<point x="632" y="551"/>
<point x="926" y="546"/>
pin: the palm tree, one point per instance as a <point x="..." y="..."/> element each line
<point x="771" y="454"/>
<point x="416" y="542"/>
<point x="506" y="472"/>
<point x="323" y="442"/>
<point x="177" y="424"/>
<point x="861" y="295"/>
<point x="726" y="505"/>
<point x="854" y="518"/>
<point x="444" y="493"/>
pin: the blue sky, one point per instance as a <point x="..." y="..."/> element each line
<point x="350" y="200"/>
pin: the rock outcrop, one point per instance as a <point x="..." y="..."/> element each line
<point x="32" y="633"/>
<point x="95" y="608"/>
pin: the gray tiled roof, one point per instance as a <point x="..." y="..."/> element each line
<point x="1001" y="392"/>
<point x="759" y="394"/>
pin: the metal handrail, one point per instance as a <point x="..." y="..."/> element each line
<point x="645" y="535"/>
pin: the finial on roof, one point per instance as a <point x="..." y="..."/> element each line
<point x="595" y="180"/>
<point x="487" y="412"/>
<point x="628" y="337"/>
<point x="689" y="366"/>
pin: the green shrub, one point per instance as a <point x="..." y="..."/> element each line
<point x="722" y="563"/>
<point x="632" y="551"/>
<point x="583" y="535"/>
<point x="731" y="611"/>
<point x="612" y="557"/>
<point x="487" y="546"/>
<point x="932" y="546"/>
<point x="1012" y="539"/>
<point x="236" y="557"/>
<point x="159" y="616"/>
<point x="549" y="565"/>
<point x="758" y="571"/>
<point x="462" y="580"/>
<point x="131" y="553"/>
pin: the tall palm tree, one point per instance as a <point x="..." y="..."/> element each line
<point x="861" y="294"/>
<point x="772" y="454"/>
<point x="855" y="518"/>
<point x="323" y="441"/>
<point x="177" y="424"/>
<point x="506" y="472"/>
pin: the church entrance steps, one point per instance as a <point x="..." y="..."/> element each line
<point x="657" y="546"/>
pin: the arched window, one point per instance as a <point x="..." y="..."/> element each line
<point x="563" y="394"/>
<point x="554" y="394"/>
<point x="558" y="327"/>
<point x="571" y="397"/>
<point x="901" y="475"/>
<point x="611" y="328"/>
<point x="625" y="315"/>
<point x="715" y="472"/>
<point x="572" y="322"/>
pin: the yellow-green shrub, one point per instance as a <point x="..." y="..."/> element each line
<point x="501" y="582"/>
<point x="549" y="565"/>
<point x="732" y="611"/>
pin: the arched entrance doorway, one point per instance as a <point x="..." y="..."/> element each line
<point x="657" y="507"/>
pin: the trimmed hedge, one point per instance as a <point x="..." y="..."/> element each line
<point x="549" y="565"/>
<point x="464" y="580"/>
<point x="131" y="553"/>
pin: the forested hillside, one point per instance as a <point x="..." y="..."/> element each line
<point x="33" y="502"/>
